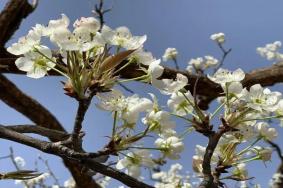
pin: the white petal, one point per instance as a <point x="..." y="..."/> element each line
<point x="24" y="64"/>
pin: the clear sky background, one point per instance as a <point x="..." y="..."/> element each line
<point x="183" y="24"/>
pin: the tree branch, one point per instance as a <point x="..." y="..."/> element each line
<point x="206" y="89"/>
<point x="66" y="152"/>
<point x="29" y="107"/>
<point x="40" y="130"/>
<point x="278" y="183"/>
<point x="209" y="181"/>
<point x="76" y="135"/>
<point x="12" y="15"/>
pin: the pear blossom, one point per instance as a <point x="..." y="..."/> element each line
<point x="54" y="25"/>
<point x="35" y="64"/>
<point x="270" y="52"/>
<point x="169" y="86"/>
<point x="123" y="38"/>
<point x="83" y="38"/>
<point x="20" y="162"/>
<point x="240" y="171"/>
<point x="279" y="111"/>
<point x="128" y="108"/>
<point x="135" y="106"/>
<point x="223" y="76"/>
<point x="89" y="25"/>
<point x="200" y="151"/>
<point x="70" y="183"/>
<point x="155" y="70"/>
<point x="197" y="163"/>
<point x="112" y="101"/>
<point x="218" y="37"/>
<point x="173" y="178"/>
<point x="265" y="131"/>
<point x="202" y="63"/>
<point x="179" y="104"/>
<point x="142" y="57"/>
<point x="27" y="43"/>
<point x="246" y="130"/>
<point x="261" y="99"/>
<point x="104" y="182"/>
<point x="134" y="160"/>
<point x="171" y="147"/>
<point x="170" y="54"/>
<point x="34" y="181"/>
<point x="276" y="179"/>
<point x="264" y="154"/>
<point x="159" y="121"/>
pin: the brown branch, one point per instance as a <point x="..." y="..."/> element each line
<point x="12" y="157"/>
<point x="278" y="183"/>
<point x="10" y="18"/>
<point x="65" y="152"/>
<point x="76" y="135"/>
<point x="206" y="89"/>
<point x="209" y="181"/>
<point x="29" y="107"/>
<point x="99" y="11"/>
<point x="40" y="130"/>
<point x="225" y="53"/>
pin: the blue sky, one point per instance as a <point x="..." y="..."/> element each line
<point x="183" y="24"/>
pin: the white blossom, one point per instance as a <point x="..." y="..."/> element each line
<point x="265" y="131"/>
<point x="218" y="37"/>
<point x="128" y="108"/>
<point x="261" y="99"/>
<point x="223" y="76"/>
<point x="142" y="57"/>
<point x="159" y="121"/>
<point x="27" y="43"/>
<point x="123" y="38"/>
<point x="112" y="101"/>
<point x="270" y="52"/>
<point x="170" y="54"/>
<point x="169" y="86"/>
<point x="135" y="106"/>
<point x="264" y="154"/>
<point x="202" y="63"/>
<point x="276" y="179"/>
<point x="134" y="160"/>
<point x="20" y="162"/>
<point x="172" y="178"/>
<point x="34" y="181"/>
<point x="179" y="104"/>
<point x="35" y="64"/>
<point x="70" y="183"/>
<point x="171" y="147"/>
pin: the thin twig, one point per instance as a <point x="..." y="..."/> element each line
<point x="76" y="134"/>
<point x="225" y="53"/>
<point x="176" y="63"/>
<point x="67" y="153"/>
<point x="277" y="149"/>
<point x="40" y="130"/>
<point x="100" y="13"/>
<point x="56" y="180"/>
<point x="126" y="88"/>
<point x="12" y="157"/>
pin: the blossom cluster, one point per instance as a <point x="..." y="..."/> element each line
<point x="90" y="57"/>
